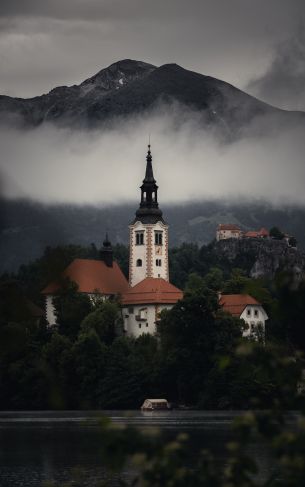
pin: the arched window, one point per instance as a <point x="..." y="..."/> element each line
<point x="158" y="238"/>
<point x="140" y="238"/>
<point x="139" y="262"/>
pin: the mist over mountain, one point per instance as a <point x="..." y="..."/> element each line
<point x="79" y="152"/>
<point x="26" y="228"/>
<point x="129" y="87"/>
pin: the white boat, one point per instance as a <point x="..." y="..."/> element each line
<point x="153" y="404"/>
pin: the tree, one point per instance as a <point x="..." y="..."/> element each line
<point x="192" y="333"/>
<point x="71" y="307"/>
<point x="121" y="385"/>
<point x="276" y="233"/>
<point x="105" y="321"/>
<point x="237" y="282"/>
<point x="293" y="242"/>
<point x="90" y="359"/>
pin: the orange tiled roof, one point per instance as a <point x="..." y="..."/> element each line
<point x="251" y="234"/>
<point x="152" y="290"/>
<point x="236" y="303"/>
<point x="263" y="232"/>
<point x="92" y="275"/>
<point x="228" y="226"/>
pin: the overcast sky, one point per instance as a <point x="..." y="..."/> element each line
<point x="256" y="45"/>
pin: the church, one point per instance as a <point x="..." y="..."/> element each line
<point x="148" y="291"/>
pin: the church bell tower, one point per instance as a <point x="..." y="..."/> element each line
<point x="148" y="233"/>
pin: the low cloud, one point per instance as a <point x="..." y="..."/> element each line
<point x="283" y="83"/>
<point x="104" y="167"/>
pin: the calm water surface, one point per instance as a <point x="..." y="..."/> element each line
<point x="40" y="446"/>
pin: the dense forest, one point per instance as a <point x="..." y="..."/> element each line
<point x="198" y="357"/>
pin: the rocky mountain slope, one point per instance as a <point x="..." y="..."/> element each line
<point x="267" y="256"/>
<point x="131" y="87"/>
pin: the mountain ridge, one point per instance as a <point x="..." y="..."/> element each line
<point x="130" y="87"/>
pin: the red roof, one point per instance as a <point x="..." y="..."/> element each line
<point x="227" y="226"/>
<point x="236" y="303"/>
<point x="152" y="290"/>
<point x="251" y="234"/>
<point x="263" y="232"/>
<point x="92" y="276"/>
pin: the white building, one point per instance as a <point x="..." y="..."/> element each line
<point x="96" y="278"/>
<point x="225" y="230"/>
<point x="150" y="290"/>
<point x="248" y="309"/>
<point x="143" y="303"/>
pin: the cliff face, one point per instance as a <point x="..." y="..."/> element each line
<point x="265" y="256"/>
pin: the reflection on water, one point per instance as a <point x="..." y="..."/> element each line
<point x="39" y="446"/>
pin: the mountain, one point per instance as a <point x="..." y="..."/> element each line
<point x="131" y="87"/>
<point x="27" y="228"/>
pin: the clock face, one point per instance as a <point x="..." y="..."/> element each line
<point x="158" y="250"/>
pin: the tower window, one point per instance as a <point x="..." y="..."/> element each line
<point x="139" y="238"/>
<point x="158" y="262"/>
<point x="139" y="262"/>
<point x="158" y="238"/>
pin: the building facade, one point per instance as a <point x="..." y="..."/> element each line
<point x="148" y="234"/>
<point x="225" y="230"/>
<point x="150" y="290"/>
<point x="247" y="308"/>
<point x="101" y="278"/>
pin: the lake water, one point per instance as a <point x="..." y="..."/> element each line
<point x="40" y="446"/>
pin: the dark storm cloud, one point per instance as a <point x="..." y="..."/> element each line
<point x="283" y="84"/>
<point x="52" y="42"/>
<point x="259" y="10"/>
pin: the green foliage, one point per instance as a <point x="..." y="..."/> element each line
<point x="104" y="320"/>
<point x="183" y="261"/>
<point x="121" y="255"/>
<point x="85" y="363"/>
<point x="293" y="242"/>
<point x="71" y="308"/>
<point x="276" y="233"/>
<point x="237" y="282"/>
<point x="90" y="361"/>
<point x="164" y="464"/>
<point x="192" y="333"/>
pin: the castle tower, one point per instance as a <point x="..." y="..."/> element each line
<point x="148" y="234"/>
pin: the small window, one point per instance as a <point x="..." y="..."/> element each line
<point x="130" y="310"/>
<point x="248" y="312"/>
<point x="126" y="316"/>
<point x="158" y="262"/>
<point x="139" y="262"/>
<point x="158" y="238"/>
<point x="256" y="313"/>
<point x="139" y="238"/>
<point x="140" y="325"/>
<point x="146" y="325"/>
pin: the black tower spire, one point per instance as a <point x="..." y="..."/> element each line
<point x="149" y="211"/>
<point x="106" y="252"/>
